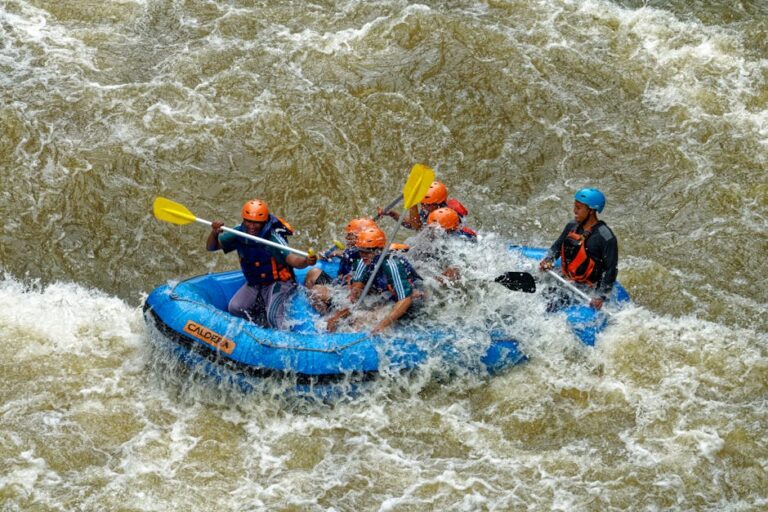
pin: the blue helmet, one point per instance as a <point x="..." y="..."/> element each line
<point x="592" y="198"/>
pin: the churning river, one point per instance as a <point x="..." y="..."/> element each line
<point x="321" y="108"/>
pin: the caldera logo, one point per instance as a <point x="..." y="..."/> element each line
<point x="206" y="335"/>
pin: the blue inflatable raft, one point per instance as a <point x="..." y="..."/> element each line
<point x="192" y="315"/>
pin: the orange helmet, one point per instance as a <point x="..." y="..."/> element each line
<point x="255" y="210"/>
<point x="371" y="238"/>
<point x="445" y="218"/>
<point x="436" y="194"/>
<point x="357" y="225"/>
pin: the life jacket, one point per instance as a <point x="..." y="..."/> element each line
<point x="456" y="206"/>
<point x="576" y="263"/>
<point x="468" y="234"/>
<point x="259" y="266"/>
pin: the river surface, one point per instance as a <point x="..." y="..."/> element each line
<point x="321" y="108"/>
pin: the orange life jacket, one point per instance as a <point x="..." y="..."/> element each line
<point x="576" y="263"/>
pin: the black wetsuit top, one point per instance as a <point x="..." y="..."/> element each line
<point x="602" y="247"/>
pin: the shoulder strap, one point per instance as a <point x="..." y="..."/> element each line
<point x="278" y="223"/>
<point x="605" y="231"/>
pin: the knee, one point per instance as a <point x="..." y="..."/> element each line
<point x="320" y="298"/>
<point x="311" y="277"/>
<point x="236" y="310"/>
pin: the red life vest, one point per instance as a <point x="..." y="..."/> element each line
<point x="468" y="233"/>
<point x="456" y="206"/>
<point x="576" y="263"/>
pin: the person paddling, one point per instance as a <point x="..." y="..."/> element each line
<point x="347" y="258"/>
<point x="317" y="281"/>
<point x="436" y="197"/>
<point x="393" y="279"/>
<point x="449" y="221"/>
<point x="268" y="271"/>
<point x="445" y="224"/>
<point x="587" y="248"/>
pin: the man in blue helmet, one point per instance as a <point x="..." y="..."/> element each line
<point x="587" y="248"/>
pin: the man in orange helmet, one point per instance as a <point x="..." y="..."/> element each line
<point x="268" y="271"/>
<point x="317" y="280"/>
<point x="393" y="279"/>
<point x="436" y="197"/>
<point x="447" y="221"/>
<point x="347" y="258"/>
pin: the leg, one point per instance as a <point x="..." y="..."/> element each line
<point x="316" y="276"/>
<point x="243" y="301"/>
<point x="278" y="295"/>
<point x="311" y="277"/>
<point x="320" y="298"/>
<point x="557" y="299"/>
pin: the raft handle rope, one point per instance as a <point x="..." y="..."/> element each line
<point x="335" y="350"/>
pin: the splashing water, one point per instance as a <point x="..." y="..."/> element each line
<point x="320" y="109"/>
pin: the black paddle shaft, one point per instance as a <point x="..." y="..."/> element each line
<point x="388" y="207"/>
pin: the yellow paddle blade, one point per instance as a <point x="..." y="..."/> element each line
<point x="170" y="211"/>
<point x="418" y="183"/>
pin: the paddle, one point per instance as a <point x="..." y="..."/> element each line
<point x="416" y="187"/>
<point x="388" y="207"/>
<point x="175" y="213"/>
<point x="337" y="245"/>
<point x="586" y="298"/>
<point x="524" y="282"/>
<point x="517" y="281"/>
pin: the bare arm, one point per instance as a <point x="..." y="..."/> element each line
<point x="333" y="322"/>
<point x="354" y="293"/>
<point x="297" y="261"/>
<point x="398" y="310"/>
<point x="413" y="220"/>
<point x="212" y="244"/>
<point x="355" y="290"/>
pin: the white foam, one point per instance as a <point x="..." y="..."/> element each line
<point x="690" y="60"/>
<point x="66" y="317"/>
<point x="27" y="472"/>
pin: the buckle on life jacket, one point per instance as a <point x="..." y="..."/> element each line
<point x="576" y="263"/>
<point x="571" y="245"/>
